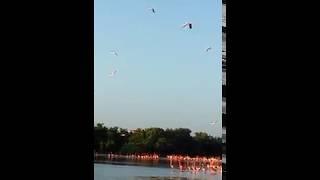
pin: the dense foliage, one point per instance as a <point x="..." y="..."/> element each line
<point x="155" y="140"/>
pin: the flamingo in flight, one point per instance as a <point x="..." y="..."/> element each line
<point x="114" y="52"/>
<point x="187" y="24"/>
<point x="153" y="10"/>
<point x="113" y="73"/>
<point x="213" y="123"/>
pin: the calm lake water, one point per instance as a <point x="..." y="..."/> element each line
<point x="113" y="170"/>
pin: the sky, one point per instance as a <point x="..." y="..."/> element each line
<point x="165" y="78"/>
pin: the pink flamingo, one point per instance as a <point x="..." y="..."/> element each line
<point x="180" y="166"/>
<point x="171" y="162"/>
<point x="189" y="168"/>
<point x="203" y="168"/>
<point x="194" y="167"/>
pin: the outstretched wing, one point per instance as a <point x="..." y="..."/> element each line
<point x="114" y="52"/>
<point x="184" y="25"/>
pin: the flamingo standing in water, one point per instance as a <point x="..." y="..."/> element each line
<point x="189" y="168"/>
<point x="194" y="167"/>
<point x="208" y="167"/>
<point x="198" y="167"/>
<point x="203" y="167"/>
<point x="180" y="166"/>
<point x="171" y="162"/>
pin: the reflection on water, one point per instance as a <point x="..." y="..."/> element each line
<point x="161" y="178"/>
<point x="135" y="162"/>
<point x="122" y="170"/>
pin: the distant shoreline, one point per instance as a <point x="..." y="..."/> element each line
<point x="155" y="140"/>
<point x="124" y="157"/>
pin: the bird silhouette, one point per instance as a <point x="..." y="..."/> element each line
<point x="114" y="52"/>
<point x="153" y="10"/>
<point x="213" y="123"/>
<point x="208" y="49"/>
<point x="113" y="73"/>
<point x="187" y="24"/>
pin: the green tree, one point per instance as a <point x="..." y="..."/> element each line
<point x="151" y="137"/>
<point x="163" y="142"/>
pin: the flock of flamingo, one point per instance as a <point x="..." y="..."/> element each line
<point x="183" y="163"/>
<point x="186" y="25"/>
<point x="134" y="156"/>
<point x="196" y="164"/>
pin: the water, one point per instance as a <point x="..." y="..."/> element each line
<point x="128" y="171"/>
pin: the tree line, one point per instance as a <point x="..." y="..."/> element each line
<point x="155" y="140"/>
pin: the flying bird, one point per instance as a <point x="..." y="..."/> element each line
<point x="208" y="49"/>
<point x="114" y="53"/>
<point x="153" y="11"/>
<point x="187" y="24"/>
<point x="113" y="73"/>
<point x="213" y="123"/>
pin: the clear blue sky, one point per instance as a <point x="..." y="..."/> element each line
<point x="165" y="76"/>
